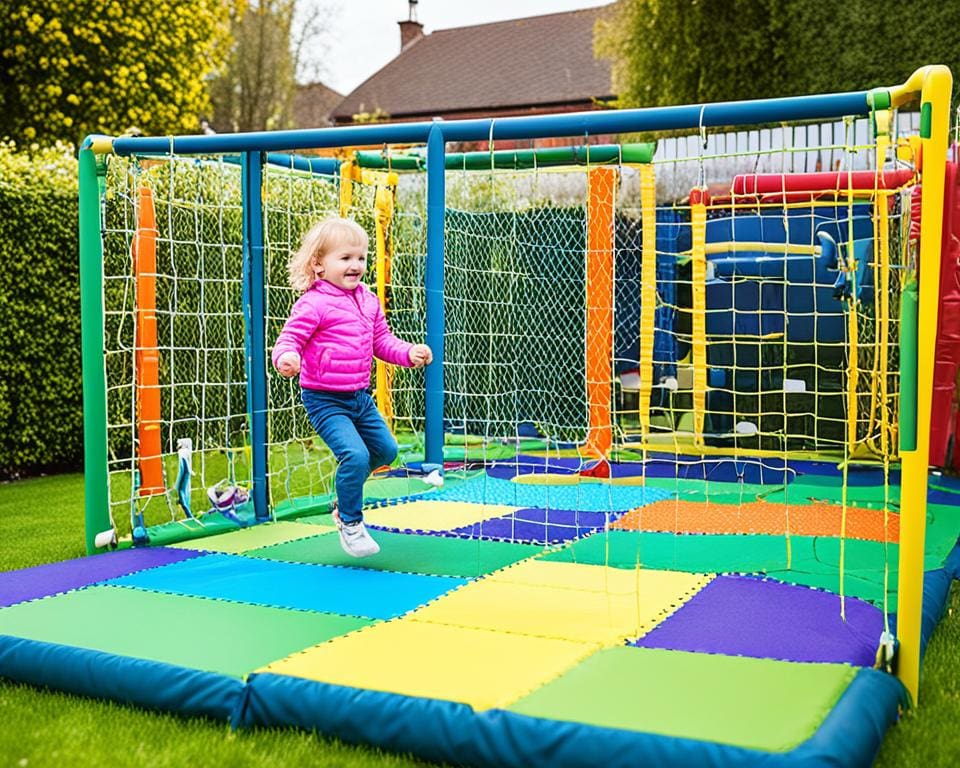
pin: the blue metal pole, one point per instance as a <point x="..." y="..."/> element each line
<point x="328" y="166"/>
<point x="255" y="321"/>
<point x="826" y="106"/>
<point x="436" y="205"/>
<point x="324" y="166"/>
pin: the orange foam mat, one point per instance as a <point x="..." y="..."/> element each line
<point x="762" y="517"/>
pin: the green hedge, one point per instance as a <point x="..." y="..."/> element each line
<point x="41" y="415"/>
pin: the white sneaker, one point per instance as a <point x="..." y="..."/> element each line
<point x="354" y="538"/>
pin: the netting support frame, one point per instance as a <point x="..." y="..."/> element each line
<point x="254" y="309"/>
<point x="96" y="491"/>
<point x="436" y="321"/>
<point x="932" y="84"/>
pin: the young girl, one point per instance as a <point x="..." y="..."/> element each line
<point x="334" y="330"/>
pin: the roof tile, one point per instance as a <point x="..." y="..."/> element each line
<point x="521" y="63"/>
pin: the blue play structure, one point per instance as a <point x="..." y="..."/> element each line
<point x="779" y="281"/>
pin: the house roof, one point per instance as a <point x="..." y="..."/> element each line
<point x="312" y="105"/>
<point x="519" y="64"/>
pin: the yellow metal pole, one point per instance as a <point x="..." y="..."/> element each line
<point x="346" y="187"/>
<point x="601" y="202"/>
<point x="648" y="290"/>
<point x="698" y="228"/>
<point x="386" y="184"/>
<point x="935" y="85"/>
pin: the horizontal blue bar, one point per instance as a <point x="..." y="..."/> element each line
<point x="329" y="166"/>
<point x="324" y="166"/>
<point x="822" y="107"/>
<point x="662" y="118"/>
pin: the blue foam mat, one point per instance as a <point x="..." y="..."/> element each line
<point x="458" y="735"/>
<point x="363" y="592"/>
<point x="586" y="496"/>
<point x="142" y="682"/>
<point x="850" y="735"/>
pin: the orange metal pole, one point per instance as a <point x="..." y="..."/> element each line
<point x="602" y="184"/>
<point x="146" y="352"/>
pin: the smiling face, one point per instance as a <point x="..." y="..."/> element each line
<point x="343" y="265"/>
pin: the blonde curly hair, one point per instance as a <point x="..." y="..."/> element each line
<point x="321" y="238"/>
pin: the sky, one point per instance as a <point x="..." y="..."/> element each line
<point x="364" y="34"/>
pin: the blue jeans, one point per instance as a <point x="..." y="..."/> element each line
<point x="352" y="427"/>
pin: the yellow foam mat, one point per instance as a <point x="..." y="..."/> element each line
<point x="425" y="515"/>
<point x="476" y="667"/>
<point x="246" y="539"/>
<point x="597" y="578"/>
<point x="581" y="603"/>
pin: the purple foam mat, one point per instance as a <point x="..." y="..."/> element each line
<point x="751" y="616"/>
<point x="53" y="578"/>
<point x="507" y="469"/>
<point x="538" y="526"/>
<point x="685" y="467"/>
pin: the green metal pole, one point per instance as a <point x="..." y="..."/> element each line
<point x="909" y="312"/>
<point x="94" y="370"/>
<point x="517" y="159"/>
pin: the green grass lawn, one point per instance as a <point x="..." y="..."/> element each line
<point x="41" y="520"/>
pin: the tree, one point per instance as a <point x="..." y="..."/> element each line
<point x="690" y="51"/>
<point x="866" y="43"/>
<point x="695" y="51"/>
<point x="101" y="66"/>
<point x="254" y="91"/>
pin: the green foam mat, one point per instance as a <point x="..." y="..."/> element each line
<point x="811" y="489"/>
<point x="943" y="522"/>
<point x="715" y="491"/>
<point x="753" y="703"/>
<point x="323" y="519"/>
<point x="803" y="490"/>
<point x="294" y="509"/>
<point x="213" y="524"/>
<point x="376" y="489"/>
<point x="384" y="488"/>
<point x="407" y="553"/>
<point x="258" y="536"/>
<point x="813" y="561"/>
<point x="806" y="490"/>
<point x="393" y="487"/>
<point x="211" y="635"/>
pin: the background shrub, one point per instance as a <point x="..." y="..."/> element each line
<point x="41" y="419"/>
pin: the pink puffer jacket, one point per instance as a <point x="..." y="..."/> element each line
<point x="337" y="332"/>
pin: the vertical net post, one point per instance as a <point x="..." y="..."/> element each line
<point x="935" y="87"/>
<point x="347" y="173"/>
<point x="648" y="291"/>
<point x="698" y="227"/>
<point x="255" y="319"/>
<point x="436" y="203"/>
<point x="93" y="361"/>
<point x="147" y="354"/>
<point x="602" y="184"/>
<point x="386" y="183"/>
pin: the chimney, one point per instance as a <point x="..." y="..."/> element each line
<point x="411" y="29"/>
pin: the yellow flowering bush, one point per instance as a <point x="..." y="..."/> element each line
<point x="77" y="67"/>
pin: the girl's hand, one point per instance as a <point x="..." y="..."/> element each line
<point x="420" y="355"/>
<point x="289" y="364"/>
